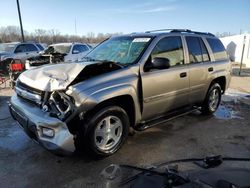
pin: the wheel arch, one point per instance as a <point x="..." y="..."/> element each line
<point x="221" y="81"/>
<point x="126" y="102"/>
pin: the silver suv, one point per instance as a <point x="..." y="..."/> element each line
<point x="135" y="80"/>
<point x="19" y="50"/>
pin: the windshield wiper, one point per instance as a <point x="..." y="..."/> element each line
<point x="113" y="62"/>
<point x="88" y="58"/>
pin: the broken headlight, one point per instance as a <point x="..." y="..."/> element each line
<point x="61" y="105"/>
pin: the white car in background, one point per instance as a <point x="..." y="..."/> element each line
<point x="57" y="53"/>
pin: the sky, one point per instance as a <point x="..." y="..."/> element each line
<point x="126" y="16"/>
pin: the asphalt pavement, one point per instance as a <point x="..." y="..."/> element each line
<point x="23" y="163"/>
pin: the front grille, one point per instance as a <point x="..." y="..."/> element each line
<point x="28" y="88"/>
<point x="28" y="93"/>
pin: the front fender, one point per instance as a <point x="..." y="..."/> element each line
<point x="88" y="102"/>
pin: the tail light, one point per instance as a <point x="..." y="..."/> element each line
<point x="17" y="66"/>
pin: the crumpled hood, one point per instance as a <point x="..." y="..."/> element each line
<point x="52" y="77"/>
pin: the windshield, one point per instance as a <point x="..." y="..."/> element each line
<point x="63" y="49"/>
<point x="123" y="50"/>
<point x="7" y="47"/>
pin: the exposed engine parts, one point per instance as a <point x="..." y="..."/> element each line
<point x="59" y="105"/>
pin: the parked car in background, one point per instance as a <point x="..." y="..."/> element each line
<point x="17" y="50"/>
<point x="57" y="53"/>
<point x="136" y="80"/>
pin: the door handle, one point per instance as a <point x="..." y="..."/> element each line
<point x="183" y="74"/>
<point x="210" y="69"/>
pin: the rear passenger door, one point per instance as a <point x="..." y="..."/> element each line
<point x="200" y="68"/>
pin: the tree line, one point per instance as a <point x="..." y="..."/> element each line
<point x="13" y="34"/>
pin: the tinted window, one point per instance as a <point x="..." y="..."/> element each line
<point x="40" y="46"/>
<point x="170" y="48"/>
<point x="217" y="49"/>
<point x="194" y="49"/>
<point x="197" y="50"/>
<point x="80" y="48"/>
<point x="83" y="48"/>
<point x="30" y="47"/>
<point x="25" y="48"/>
<point x="20" y="48"/>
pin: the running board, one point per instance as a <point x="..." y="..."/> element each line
<point x="162" y="119"/>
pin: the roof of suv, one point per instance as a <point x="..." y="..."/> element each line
<point x="66" y="43"/>
<point x="155" y="33"/>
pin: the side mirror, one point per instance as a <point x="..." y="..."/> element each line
<point x="75" y="52"/>
<point x="158" y="63"/>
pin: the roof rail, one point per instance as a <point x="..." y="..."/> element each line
<point x="181" y="31"/>
<point x="152" y="31"/>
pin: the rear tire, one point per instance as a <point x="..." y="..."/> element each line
<point x="212" y="100"/>
<point x="105" y="132"/>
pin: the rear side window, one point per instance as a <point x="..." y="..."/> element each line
<point x="197" y="50"/>
<point x="217" y="49"/>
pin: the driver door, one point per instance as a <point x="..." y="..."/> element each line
<point x="166" y="89"/>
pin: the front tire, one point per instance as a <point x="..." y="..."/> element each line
<point x="212" y="100"/>
<point x="106" y="131"/>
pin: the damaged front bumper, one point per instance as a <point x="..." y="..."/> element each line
<point x="52" y="133"/>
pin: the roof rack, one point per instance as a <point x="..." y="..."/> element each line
<point x="181" y="31"/>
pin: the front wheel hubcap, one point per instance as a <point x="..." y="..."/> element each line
<point x="108" y="133"/>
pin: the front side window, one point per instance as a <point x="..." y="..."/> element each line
<point x="76" y="49"/>
<point x="83" y="48"/>
<point x="124" y="50"/>
<point x="21" y="48"/>
<point x="217" y="49"/>
<point x="170" y="48"/>
<point x="80" y="48"/>
<point x="30" y="47"/>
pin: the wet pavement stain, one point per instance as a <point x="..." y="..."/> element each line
<point x="232" y="104"/>
<point x="226" y="113"/>
<point x="223" y="113"/>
